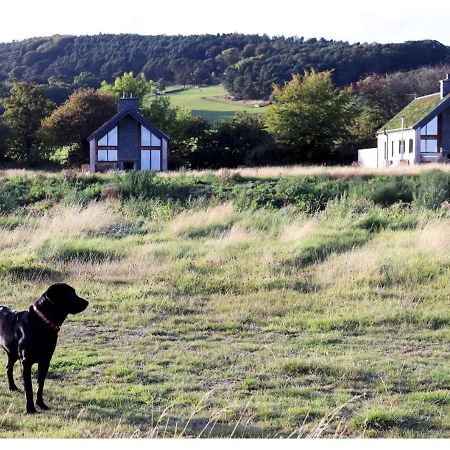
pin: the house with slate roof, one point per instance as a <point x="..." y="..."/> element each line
<point x="128" y="141"/>
<point x="418" y="134"/>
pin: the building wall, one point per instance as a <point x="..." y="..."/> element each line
<point x="367" y="157"/>
<point x="164" y="166"/>
<point x="128" y="142"/>
<point x="397" y="158"/>
<point x="92" y="156"/>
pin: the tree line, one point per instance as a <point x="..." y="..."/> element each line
<point x="310" y="120"/>
<point x="248" y="65"/>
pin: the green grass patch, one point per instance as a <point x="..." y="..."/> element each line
<point x="209" y="102"/>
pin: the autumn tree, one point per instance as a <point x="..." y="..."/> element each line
<point x="24" y="110"/>
<point x="83" y="112"/>
<point x="309" y="117"/>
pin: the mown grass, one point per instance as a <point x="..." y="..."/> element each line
<point x="214" y="319"/>
<point x="209" y="102"/>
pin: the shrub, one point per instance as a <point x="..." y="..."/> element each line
<point x="386" y="192"/>
<point x="433" y="190"/>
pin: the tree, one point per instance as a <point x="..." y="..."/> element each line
<point x="361" y="132"/>
<point x="24" y="110"/>
<point x="4" y="134"/>
<point x="234" y="142"/>
<point x="86" y="80"/>
<point x="82" y="113"/>
<point x="187" y="133"/>
<point x="309" y="117"/>
<point x="127" y="84"/>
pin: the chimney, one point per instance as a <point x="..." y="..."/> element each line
<point x="128" y="104"/>
<point x="445" y="86"/>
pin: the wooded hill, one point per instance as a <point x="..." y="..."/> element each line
<point x="248" y="65"/>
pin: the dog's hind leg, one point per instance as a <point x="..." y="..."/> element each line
<point x="12" y="358"/>
<point x="42" y="373"/>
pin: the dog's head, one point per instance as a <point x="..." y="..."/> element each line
<point x="64" y="297"/>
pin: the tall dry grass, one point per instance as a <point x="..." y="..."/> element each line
<point x="435" y="236"/>
<point x="60" y="221"/>
<point x="296" y="231"/>
<point x="188" y="221"/>
<point x="269" y="171"/>
<point x="298" y="170"/>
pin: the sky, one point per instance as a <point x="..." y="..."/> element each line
<point x="348" y="20"/>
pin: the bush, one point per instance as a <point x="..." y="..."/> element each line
<point x="433" y="190"/>
<point x="387" y="191"/>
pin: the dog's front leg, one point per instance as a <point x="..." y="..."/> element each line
<point x="26" y="375"/>
<point x="42" y="373"/>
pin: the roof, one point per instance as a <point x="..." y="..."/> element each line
<point x="108" y="126"/>
<point x="419" y="112"/>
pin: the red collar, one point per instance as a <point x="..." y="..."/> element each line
<point x="46" y="320"/>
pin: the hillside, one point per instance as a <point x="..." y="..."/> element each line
<point x="247" y="64"/>
<point x="226" y="305"/>
<point x="210" y="102"/>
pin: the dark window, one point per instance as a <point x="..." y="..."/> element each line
<point x="411" y="145"/>
<point x="392" y="148"/>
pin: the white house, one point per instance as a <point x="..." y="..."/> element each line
<point x="418" y="134"/>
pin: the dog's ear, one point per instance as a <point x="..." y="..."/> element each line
<point x="56" y="290"/>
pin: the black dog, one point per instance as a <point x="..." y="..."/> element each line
<point x="31" y="336"/>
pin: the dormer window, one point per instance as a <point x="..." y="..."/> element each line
<point x="107" y="146"/>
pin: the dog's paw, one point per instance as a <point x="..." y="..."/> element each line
<point x="14" y="388"/>
<point x="42" y="405"/>
<point x="31" y="410"/>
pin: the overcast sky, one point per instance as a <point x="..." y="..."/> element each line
<point x="349" y="20"/>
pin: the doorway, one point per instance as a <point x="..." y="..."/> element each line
<point x="128" y="165"/>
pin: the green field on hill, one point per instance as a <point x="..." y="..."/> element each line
<point x="226" y="306"/>
<point x="203" y="101"/>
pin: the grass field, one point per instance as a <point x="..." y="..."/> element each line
<point x="203" y="101"/>
<point x="210" y="319"/>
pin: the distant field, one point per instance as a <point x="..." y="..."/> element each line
<point x="201" y="101"/>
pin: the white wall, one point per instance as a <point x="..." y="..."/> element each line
<point x="367" y="157"/>
<point x="394" y="159"/>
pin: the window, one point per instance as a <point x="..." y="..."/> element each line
<point x="401" y="147"/>
<point x="107" y="155"/>
<point x="145" y="137"/>
<point x="411" y="145"/>
<point x="149" y="139"/>
<point x="392" y="148"/>
<point x="156" y="141"/>
<point x="109" y="140"/>
<point x="428" y="146"/>
<point x="151" y="160"/>
<point x="431" y="128"/>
